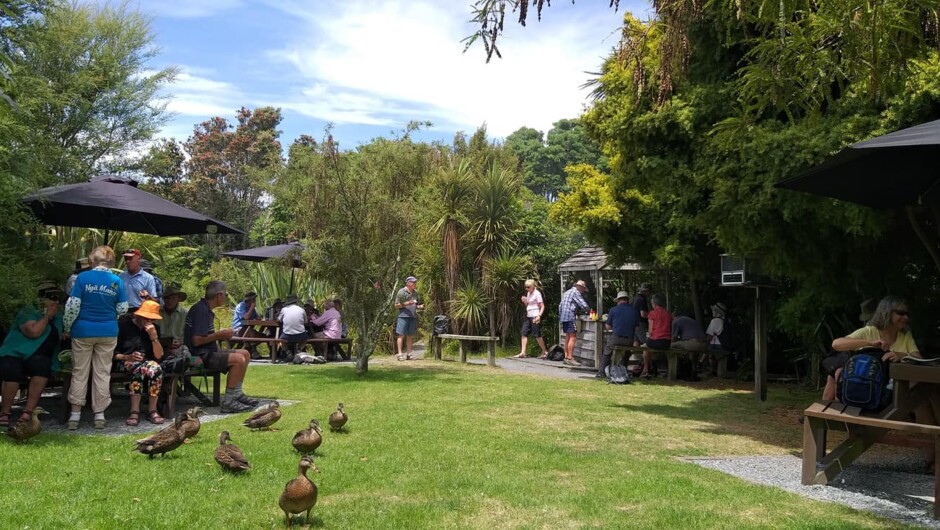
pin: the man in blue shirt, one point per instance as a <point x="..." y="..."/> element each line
<point x="245" y="310"/>
<point x="138" y="283"/>
<point x="621" y="321"/>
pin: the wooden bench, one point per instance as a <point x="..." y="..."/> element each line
<point x="864" y="431"/>
<point x="490" y="346"/>
<point x="167" y="391"/>
<point x="266" y="340"/>
<point x="672" y="356"/>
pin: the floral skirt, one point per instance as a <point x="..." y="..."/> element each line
<point x="147" y="374"/>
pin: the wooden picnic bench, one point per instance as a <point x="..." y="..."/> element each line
<point x="490" y="346"/>
<point x="167" y="392"/>
<point x="672" y="356"/>
<point x="266" y="340"/>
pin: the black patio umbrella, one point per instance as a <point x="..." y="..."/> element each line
<point x="898" y="169"/>
<point x="289" y="251"/>
<point x="115" y="203"/>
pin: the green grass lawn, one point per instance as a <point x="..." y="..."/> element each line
<point x="441" y="445"/>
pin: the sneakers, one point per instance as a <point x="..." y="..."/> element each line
<point x="571" y="362"/>
<point x="251" y="402"/>
<point x="72" y="425"/>
<point x="99" y="424"/>
<point x="233" y="406"/>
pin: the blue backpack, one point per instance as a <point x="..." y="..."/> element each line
<point x="864" y="381"/>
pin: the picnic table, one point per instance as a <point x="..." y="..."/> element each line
<point x="914" y="384"/>
<point x="672" y="357"/>
<point x="278" y="340"/>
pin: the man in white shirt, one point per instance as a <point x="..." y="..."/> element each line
<point x="293" y="330"/>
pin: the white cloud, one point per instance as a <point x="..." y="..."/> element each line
<point x="371" y="63"/>
<point x="202" y="97"/>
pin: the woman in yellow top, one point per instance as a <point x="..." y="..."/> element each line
<point x="887" y="330"/>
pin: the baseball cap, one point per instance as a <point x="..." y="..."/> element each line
<point x="410" y="279"/>
<point x="131" y="252"/>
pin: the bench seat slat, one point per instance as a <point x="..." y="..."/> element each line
<point x="484" y="338"/>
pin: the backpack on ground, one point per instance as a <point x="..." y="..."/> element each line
<point x="441" y="324"/>
<point x="617" y="375"/>
<point x="864" y="381"/>
<point x="556" y="353"/>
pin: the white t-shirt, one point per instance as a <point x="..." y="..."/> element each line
<point x="715" y="327"/>
<point x="533" y="300"/>
<point x="292" y="319"/>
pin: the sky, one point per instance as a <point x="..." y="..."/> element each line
<point x="368" y="67"/>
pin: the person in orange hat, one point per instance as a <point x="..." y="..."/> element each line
<point x="138" y="353"/>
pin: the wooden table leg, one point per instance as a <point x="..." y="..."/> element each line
<point x="814" y="449"/>
<point x="673" y="369"/>
<point x="723" y="366"/>
<point x="438" y="348"/>
<point x="463" y="353"/>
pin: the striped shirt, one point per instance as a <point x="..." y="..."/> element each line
<point x="569" y="301"/>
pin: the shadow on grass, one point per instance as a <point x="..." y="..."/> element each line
<point x="345" y="373"/>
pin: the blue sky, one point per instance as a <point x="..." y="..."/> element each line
<point x="371" y="66"/>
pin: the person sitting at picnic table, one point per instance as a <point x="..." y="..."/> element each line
<point x="157" y="282"/>
<point x="245" y="310"/>
<point x="91" y="312"/>
<point x="312" y="314"/>
<point x="687" y="334"/>
<point x="332" y="323"/>
<point x="622" y="320"/>
<point x="293" y="330"/>
<point x="173" y="317"/>
<point x="201" y="338"/>
<point x="660" y="332"/>
<point x="138" y="352"/>
<point x="138" y="283"/>
<point x="30" y="351"/>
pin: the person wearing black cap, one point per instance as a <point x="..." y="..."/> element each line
<point x="407" y="304"/>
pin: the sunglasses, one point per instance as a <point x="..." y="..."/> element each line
<point x="901" y="312"/>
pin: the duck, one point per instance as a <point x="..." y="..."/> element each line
<point x="229" y="456"/>
<point x="190" y="426"/>
<point x="307" y="440"/>
<point x="265" y="417"/>
<point x="300" y="494"/>
<point x="338" y="418"/>
<point x="163" y="441"/>
<point x="23" y="430"/>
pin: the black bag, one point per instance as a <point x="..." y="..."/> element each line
<point x="176" y="364"/>
<point x="726" y="337"/>
<point x="556" y="353"/>
<point x="441" y="324"/>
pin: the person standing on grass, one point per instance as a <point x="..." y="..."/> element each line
<point x="621" y="321"/>
<point x="201" y="338"/>
<point x="138" y="353"/>
<point x="571" y="301"/>
<point x="660" y="336"/>
<point x="534" y="308"/>
<point x="407" y="304"/>
<point x="97" y="300"/>
<point x="29" y="351"/>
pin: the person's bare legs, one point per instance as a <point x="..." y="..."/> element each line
<point x="523" y="344"/>
<point x="409" y="339"/>
<point x="829" y="391"/>
<point x="570" y="339"/>
<point x="237" y="366"/>
<point x="647" y="357"/>
<point x="399" y="340"/>
<point x="8" y="394"/>
<point x="541" y="342"/>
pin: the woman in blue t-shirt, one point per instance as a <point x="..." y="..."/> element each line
<point x="96" y="301"/>
<point x="30" y="351"/>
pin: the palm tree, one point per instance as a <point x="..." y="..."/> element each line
<point x="454" y="185"/>
<point x="504" y="273"/>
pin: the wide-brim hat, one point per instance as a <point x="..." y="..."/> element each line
<point x="622" y="294"/>
<point x="291" y="299"/>
<point x="149" y="309"/>
<point x="868" y="309"/>
<point x="251" y="294"/>
<point x="719" y="309"/>
<point x="581" y="283"/>
<point x="50" y="290"/>
<point x="174" y="290"/>
<point x="645" y="287"/>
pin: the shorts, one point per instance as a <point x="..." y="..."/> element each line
<point x="17" y="369"/>
<point x="295" y="337"/>
<point x="568" y="327"/>
<point x="217" y="361"/>
<point x="406" y="326"/>
<point x="531" y="328"/>
<point x="658" y="344"/>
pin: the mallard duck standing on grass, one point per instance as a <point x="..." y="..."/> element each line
<point x="307" y="440"/>
<point x="338" y="419"/>
<point x="229" y="456"/>
<point x="300" y="494"/>
<point x="164" y="441"/>
<point x="265" y="417"/>
<point x="190" y="426"/>
<point x="23" y="429"/>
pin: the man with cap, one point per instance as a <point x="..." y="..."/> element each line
<point x="293" y="321"/>
<point x="571" y="300"/>
<point x="407" y="304"/>
<point x="621" y="321"/>
<point x="173" y="316"/>
<point x="81" y="265"/>
<point x="158" y="283"/>
<point x="202" y="339"/>
<point x="138" y="283"/>
<point x="642" y="305"/>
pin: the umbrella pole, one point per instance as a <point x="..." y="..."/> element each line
<point x="290" y="290"/>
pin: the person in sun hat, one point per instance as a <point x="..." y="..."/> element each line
<point x="138" y="352"/>
<point x="571" y="300"/>
<point x="621" y="321"/>
<point x="138" y="283"/>
<point x="407" y="303"/>
<point x="30" y="350"/>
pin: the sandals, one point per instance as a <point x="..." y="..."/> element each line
<point x="133" y="420"/>
<point x="544" y="356"/>
<point x="520" y="356"/>
<point x="155" y="418"/>
<point x="409" y="357"/>
<point x="401" y="357"/>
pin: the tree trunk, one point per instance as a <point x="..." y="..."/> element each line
<point x="697" y="309"/>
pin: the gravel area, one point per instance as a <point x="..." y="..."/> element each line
<point x="891" y="485"/>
